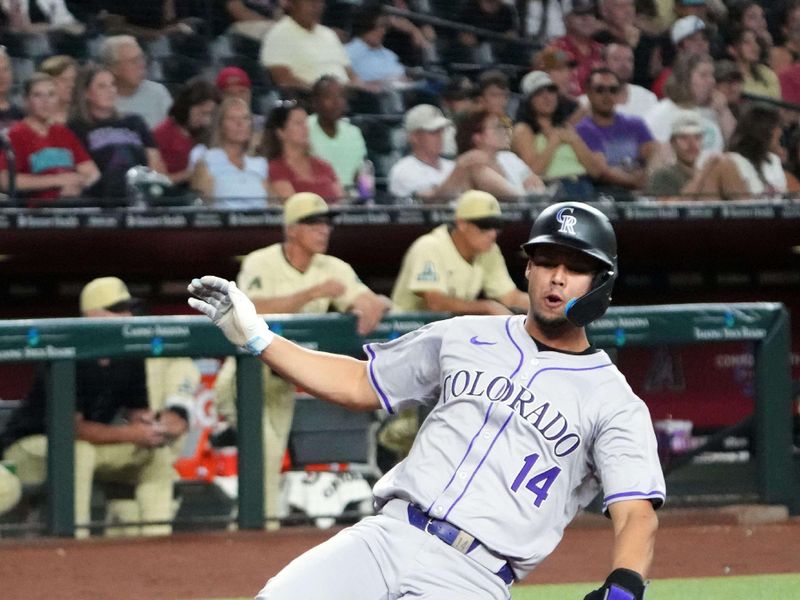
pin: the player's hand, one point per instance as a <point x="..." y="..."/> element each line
<point x="172" y="425"/>
<point x="146" y="435"/>
<point x="621" y="584"/>
<point x="232" y="311"/>
<point x="331" y="288"/>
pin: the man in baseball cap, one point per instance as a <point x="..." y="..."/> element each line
<point x="296" y="276"/>
<point x="106" y="295"/>
<point x="424" y="117"/>
<point x="135" y="451"/>
<point x="450" y="267"/>
<point x="424" y="173"/>
<point x="686" y="139"/>
<point x="581" y="24"/>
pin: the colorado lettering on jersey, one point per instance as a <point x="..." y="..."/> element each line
<point x="549" y="422"/>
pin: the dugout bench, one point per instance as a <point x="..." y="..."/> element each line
<point x="60" y="342"/>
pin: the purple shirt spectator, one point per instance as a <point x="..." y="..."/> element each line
<point x="619" y="142"/>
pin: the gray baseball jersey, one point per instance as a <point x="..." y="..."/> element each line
<point x="518" y="439"/>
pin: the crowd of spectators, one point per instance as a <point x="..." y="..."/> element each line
<point x="245" y="102"/>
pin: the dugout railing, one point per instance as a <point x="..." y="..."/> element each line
<point x="61" y="342"/>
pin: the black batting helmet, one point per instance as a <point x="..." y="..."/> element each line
<point x="586" y="229"/>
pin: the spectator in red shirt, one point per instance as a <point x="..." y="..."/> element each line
<point x="587" y="54"/>
<point x="50" y="160"/>
<point x="292" y="169"/>
<point x="188" y="124"/>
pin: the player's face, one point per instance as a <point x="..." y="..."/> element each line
<point x="480" y="239"/>
<point x="555" y="276"/>
<point x="312" y="237"/>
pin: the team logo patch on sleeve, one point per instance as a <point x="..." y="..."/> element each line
<point x="428" y="273"/>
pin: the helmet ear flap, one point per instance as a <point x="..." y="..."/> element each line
<point x="592" y="305"/>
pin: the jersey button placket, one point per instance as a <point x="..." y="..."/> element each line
<point x="467" y="469"/>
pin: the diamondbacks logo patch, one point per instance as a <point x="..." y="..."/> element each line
<point x="428" y="273"/>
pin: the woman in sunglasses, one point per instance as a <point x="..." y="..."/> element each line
<point x="287" y="146"/>
<point x="545" y="140"/>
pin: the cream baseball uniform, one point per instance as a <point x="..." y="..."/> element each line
<point x="266" y="273"/>
<point x="433" y="264"/>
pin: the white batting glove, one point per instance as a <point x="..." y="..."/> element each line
<point x="232" y="311"/>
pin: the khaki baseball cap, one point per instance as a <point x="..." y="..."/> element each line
<point x="687" y="122"/>
<point x="426" y="117"/>
<point x="475" y="205"/>
<point x="302" y="206"/>
<point x="104" y="293"/>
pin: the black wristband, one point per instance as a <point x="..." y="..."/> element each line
<point x="628" y="580"/>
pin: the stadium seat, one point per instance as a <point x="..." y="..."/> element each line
<point x="221" y="47"/>
<point x="190" y="44"/>
<point x="244" y="45"/>
<point x="26" y="45"/>
<point x="23" y="68"/>
<point x="64" y="42"/>
<point x="177" y="69"/>
<point x="159" y="47"/>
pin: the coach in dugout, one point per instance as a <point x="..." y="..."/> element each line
<point x="456" y="268"/>
<point x="295" y="276"/>
<point x="118" y="437"/>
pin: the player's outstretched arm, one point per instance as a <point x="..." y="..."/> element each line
<point x="333" y="377"/>
<point x="635" y="524"/>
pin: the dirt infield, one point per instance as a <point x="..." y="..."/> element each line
<point x="218" y="564"/>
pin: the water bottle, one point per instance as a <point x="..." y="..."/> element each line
<point x="365" y="183"/>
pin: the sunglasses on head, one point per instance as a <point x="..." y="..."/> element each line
<point x="605" y="89"/>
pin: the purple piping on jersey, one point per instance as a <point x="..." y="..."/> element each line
<point x="480" y="464"/>
<point x="384" y="398"/>
<point x="638" y="494"/>
<point x="466" y="454"/>
<point x="566" y="369"/>
<point x="513" y="341"/>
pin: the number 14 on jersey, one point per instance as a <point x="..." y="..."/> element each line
<point x="538" y="484"/>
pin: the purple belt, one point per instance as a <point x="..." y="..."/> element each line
<point x="452" y="536"/>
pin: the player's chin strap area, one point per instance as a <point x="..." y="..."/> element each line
<point x="592" y="305"/>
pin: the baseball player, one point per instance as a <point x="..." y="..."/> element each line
<point x="528" y="422"/>
<point x="448" y="268"/>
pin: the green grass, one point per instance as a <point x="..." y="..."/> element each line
<point x="754" y="587"/>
